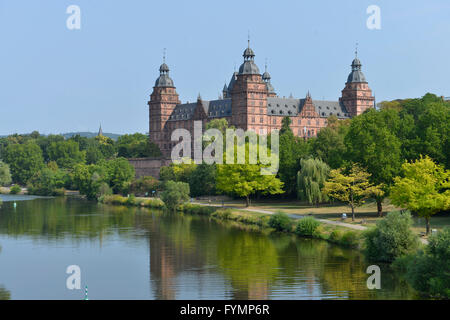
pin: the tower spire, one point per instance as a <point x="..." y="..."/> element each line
<point x="164" y="55"/>
<point x="356" y="50"/>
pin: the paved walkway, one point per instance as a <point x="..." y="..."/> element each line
<point x="296" y="217"/>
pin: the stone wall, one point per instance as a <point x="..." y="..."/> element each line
<point x="148" y="166"/>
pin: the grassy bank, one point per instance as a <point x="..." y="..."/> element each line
<point x="132" y="201"/>
<point x="264" y="222"/>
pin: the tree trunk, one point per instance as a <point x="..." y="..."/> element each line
<point x="380" y="207"/>
<point x="353" y="213"/>
<point x="247" y="201"/>
<point x="427" y="219"/>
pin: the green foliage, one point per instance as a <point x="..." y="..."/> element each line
<point x="311" y="179"/>
<point x="350" y="239"/>
<point x="280" y="221"/>
<point x="5" y="174"/>
<point x="144" y="186"/>
<point x="136" y="145"/>
<point x="391" y="238"/>
<point x="66" y="153"/>
<point x="329" y="144"/>
<point x="198" y="209"/>
<point x="120" y="173"/>
<point x="306" y="227"/>
<point x="336" y="236"/>
<point x="88" y="179"/>
<point x="429" y="271"/>
<point x="202" y="180"/>
<point x="24" y="161"/>
<point x="292" y="148"/>
<point x="352" y="188"/>
<point x="174" y="194"/>
<point x="425" y="188"/>
<point x="15" y="189"/>
<point x="47" y="182"/>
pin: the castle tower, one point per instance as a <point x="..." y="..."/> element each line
<point x="249" y="96"/>
<point x="266" y="78"/>
<point x="162" y="102"/>
<point x="357" y="96"/>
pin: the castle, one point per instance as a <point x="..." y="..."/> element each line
<point x="250" y="102"/>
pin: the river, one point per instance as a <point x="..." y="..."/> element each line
<point x="137" y="253"/>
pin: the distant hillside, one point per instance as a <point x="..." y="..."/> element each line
<point x="68" y="135"/>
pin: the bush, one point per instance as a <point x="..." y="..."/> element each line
<point x="280" y="221"/>
<point x="350" y="239"/>
<point x="391" y="238"/>
<point x="306" y="227"/>
<point x="428" y="271"/>
<point x="174" y="194"/>
<point x="197" y="209"/>
<point x="15" y="189"/>
<point x="336" y="236"/>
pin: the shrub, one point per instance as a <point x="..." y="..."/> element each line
<point x="197" y="209"/>
<point x="336" y="236"/>
<point x="223" y="214"/>
<point x="306" y="227"/>
<point x="15" y="189"/>
<point x="175" y="194"/>
<point x="391" y="238"/>
<point x="350" y="239"/>
<point x="428" y="270"/>
<point x="280" y="221"/>
<point x="131" y="200"/>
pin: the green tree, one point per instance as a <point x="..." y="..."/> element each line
<point x="120" y="173"/>
<point x="5" y="174"/>
<point x="329" y="145"/>
<point x="424" y="189"/>
<point x="371" y="142"/>
<point x="429" y="270"/>
<point x="24" y="161"/>
<point x="136" y="145"/>
<point x="174" y="194"/>
<point x="47" y="181"/>
<point x="391" y="238"/>
<point x="245" y="180"/>
<point x="66" y="153"/>
<point x="352" y="188"/>
<point x="202" y="181"/>
<point x="291" y="150"/>
<point x="88" y="179"/>
<point x="144" y="185"/>
<point x="311" y="179"/>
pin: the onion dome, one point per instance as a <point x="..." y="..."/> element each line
<point x="164" y="80"/>
<point x="356" y="75"/>
<point x="249" y="66"/>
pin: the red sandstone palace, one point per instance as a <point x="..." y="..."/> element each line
<point x="250" y="102"/>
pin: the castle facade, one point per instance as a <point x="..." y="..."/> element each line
<point x="250" y="102"/>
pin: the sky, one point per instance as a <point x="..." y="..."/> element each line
<point x="57" y="80"/>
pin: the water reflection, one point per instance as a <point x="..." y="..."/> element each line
<point x="191" y="257"/>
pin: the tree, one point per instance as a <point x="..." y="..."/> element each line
<point x="120" y="173"/>
<point x="291" y="150"/>
<point x="424" y="189"/>
<point x="5" y="174"/>
<point x="66" y="153"/>
<point x="46" y="182"/>
<point x="245" y="180"/>
<point x="24" y="161"/>
<point x="88" y="179"/>
<point x="180" y="172"/>
<point x="391" y="238"/>
<point x="329" y="144"/>
<point x="202" y="181"/>
<point x="144" y="185"/>
<point x="136" y="145"/>
<point x="311" y="179"/>
<point x="371" y="142"/>
<point x="428" y="271"/>
<point x="352" y="188"/>
<point x="174" y="194"/>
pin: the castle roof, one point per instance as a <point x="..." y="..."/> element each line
<point x="292" y="107"/>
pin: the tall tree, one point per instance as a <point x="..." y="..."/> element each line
<point x="352" y="188"/>
<point x="371" y="142"/>
<point x="329" y="144"/>
<point x="24" y="161"/>
<point x="5" y="174"/>
<point x="311" y="179"/>
<point x="425" y="188"/>
<point x="66" y="153"/>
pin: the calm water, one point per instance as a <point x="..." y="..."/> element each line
<point x="133" y="253"/>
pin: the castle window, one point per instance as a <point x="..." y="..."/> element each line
<point x="290" y="112"/>
<point x="338" y="114"/>
<point x="261" y="120"/>
<point x="253" y="119"/>
<point x="281" y="111"/>
<point x="275" y="121"/>
<point x="285" y="106"/>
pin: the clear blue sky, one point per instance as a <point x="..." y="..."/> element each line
<point x="57" y="80"/>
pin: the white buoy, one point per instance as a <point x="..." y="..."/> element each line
<point x="15" y="205"/>
<point x="85" y="293"/>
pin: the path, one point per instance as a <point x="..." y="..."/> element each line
<point x="296" y="217"/>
